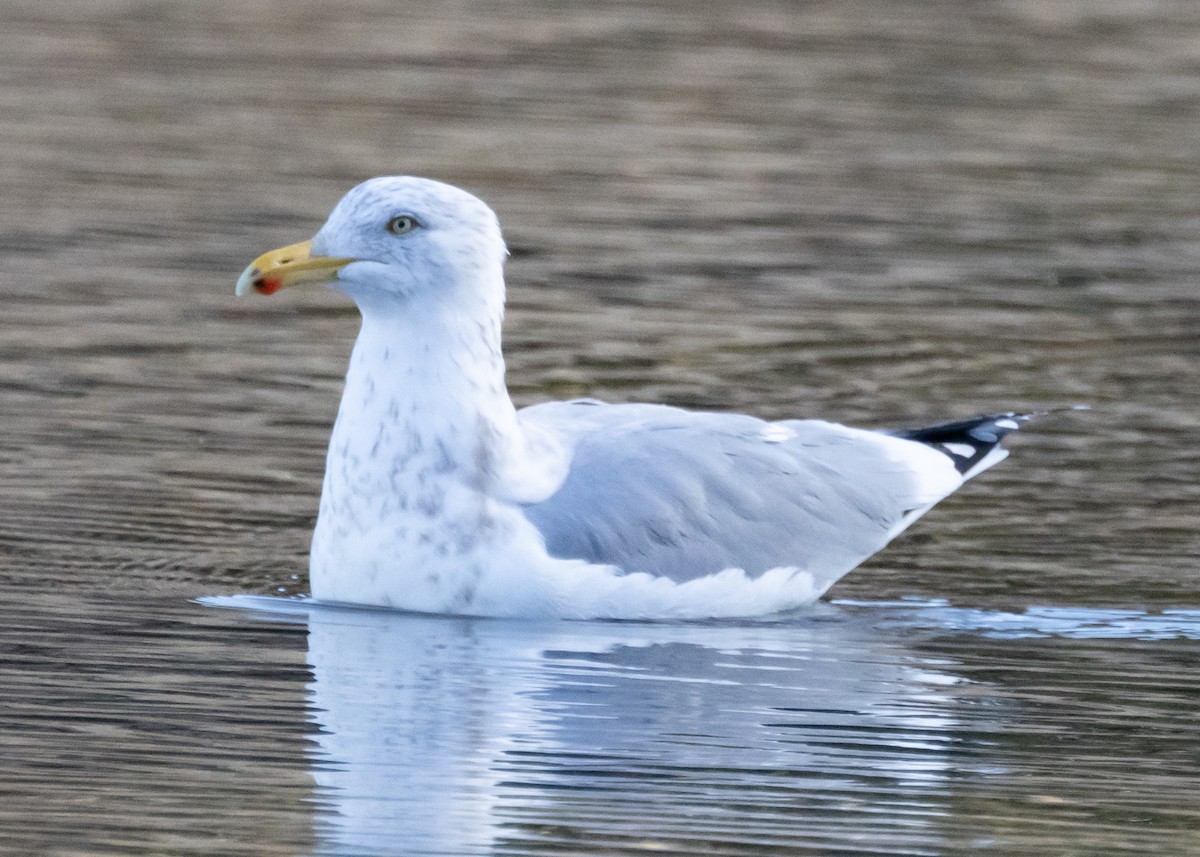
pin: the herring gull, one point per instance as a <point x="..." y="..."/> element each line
<point x="440" y="496"/>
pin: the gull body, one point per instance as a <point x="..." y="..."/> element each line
<point x="440" y="496"/>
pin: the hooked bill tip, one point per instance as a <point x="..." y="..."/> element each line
<point x="245" y="280"/>
<point x="252" y="278"/>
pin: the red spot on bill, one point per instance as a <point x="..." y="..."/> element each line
<point x="268" y="285"/>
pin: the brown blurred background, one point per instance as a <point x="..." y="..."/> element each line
<point x="878" y="212"/>
<point x="882" y="213"/>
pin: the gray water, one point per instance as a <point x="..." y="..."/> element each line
<point x="878" y="213"/>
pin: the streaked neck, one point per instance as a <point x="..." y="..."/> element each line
<point x="426" y="386"/>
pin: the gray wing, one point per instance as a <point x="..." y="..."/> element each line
<point x="683" y="494"/>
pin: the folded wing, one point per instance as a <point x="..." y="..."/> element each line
<point x="682" y="494"/>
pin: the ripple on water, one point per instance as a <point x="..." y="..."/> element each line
<point x="906" y="727"/>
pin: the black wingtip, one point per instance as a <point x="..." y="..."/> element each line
<point x="967" y="442"/>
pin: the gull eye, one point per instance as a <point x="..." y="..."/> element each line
<point x="402" y="224"/>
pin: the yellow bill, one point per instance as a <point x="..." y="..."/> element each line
<point x="288" y="266"/>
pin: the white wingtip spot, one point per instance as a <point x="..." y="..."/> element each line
<point x="775" y="433"/>
<point x="1008" y="424"/>
<point x="962" y="450"/>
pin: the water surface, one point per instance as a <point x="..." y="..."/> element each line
<point x="879" y="213"/>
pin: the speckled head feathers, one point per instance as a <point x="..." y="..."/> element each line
<point x="454" y="238"/>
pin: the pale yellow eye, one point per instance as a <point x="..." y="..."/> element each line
<point x="402" y="224"/>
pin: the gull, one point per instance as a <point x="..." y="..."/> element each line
<point x="440" y="496"/>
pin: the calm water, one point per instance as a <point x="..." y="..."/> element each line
<point x="873" y="212"/>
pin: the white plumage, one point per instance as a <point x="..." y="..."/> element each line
<point x="440" y="496"/>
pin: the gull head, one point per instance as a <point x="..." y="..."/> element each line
<point x="390" y="241"/>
